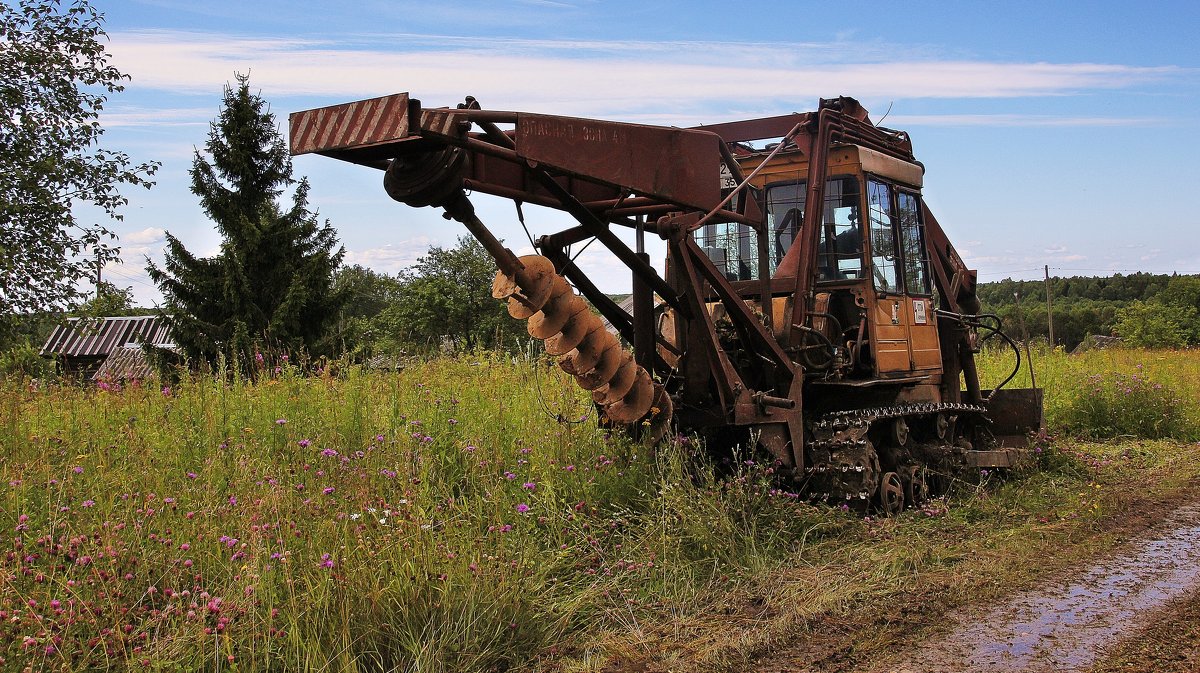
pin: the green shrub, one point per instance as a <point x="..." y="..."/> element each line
<point x="24" y="360"/>
<point x="1049" y="457"/>
<point x="1157" y="325"/>
<point x="1106" y="406"/>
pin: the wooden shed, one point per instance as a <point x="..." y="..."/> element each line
<point x="106" y="348"/>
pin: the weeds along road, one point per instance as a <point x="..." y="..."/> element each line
<point x="1067" y="624"/>
<point x="1121" y="593"/>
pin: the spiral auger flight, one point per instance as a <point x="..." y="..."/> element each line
<point x="623" y="389"/>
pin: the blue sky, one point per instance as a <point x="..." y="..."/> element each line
<point x="1059" y="133"/>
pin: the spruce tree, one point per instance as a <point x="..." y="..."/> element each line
<point x="270" y="288"/>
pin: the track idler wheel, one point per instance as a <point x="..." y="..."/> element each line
<point x="623" y="389"/>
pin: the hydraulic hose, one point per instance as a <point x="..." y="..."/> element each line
<point x="992" y="323"/>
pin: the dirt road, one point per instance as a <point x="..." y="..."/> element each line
<point x="1066" y="624"/>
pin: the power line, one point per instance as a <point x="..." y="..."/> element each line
<point x="1008" y="271"/>
<point x="1160" y="272"/>
<point x="132" y="279"/>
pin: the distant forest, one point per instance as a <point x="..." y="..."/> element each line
<point x="1092" y="305"/>
<point x="1145" y="309"/>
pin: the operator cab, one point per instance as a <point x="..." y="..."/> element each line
<point x="872" y="304"/>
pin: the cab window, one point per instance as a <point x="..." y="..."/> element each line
<point x="785" y="214"/>
<point x="899" y="258"/>
<point x="884" y="269"/>
<point x="840" y="249"/>
<point x="912" y="242"/>
<point x="732" y="247"/>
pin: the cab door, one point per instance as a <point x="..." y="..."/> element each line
<point x="914" y="258"/>
<point x="903" y="324"/>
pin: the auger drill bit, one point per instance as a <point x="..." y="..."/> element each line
<point x="623" y="389"/>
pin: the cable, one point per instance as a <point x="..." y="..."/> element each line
<point x="546" y="407"/>
<point x="521" y="217"/>
<point x="132" y="279"/>
<point x="585" y="247"/>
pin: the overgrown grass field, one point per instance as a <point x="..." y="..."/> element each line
<point x="467" y="514"/>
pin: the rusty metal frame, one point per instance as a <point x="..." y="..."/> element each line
<point x="660" y="180"/>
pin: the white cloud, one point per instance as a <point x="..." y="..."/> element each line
<point x="620" y="76"/>
<point x="903" y="121"/>
<point x="143" y="117"/>
<point x="147" y="236"/>
<point x="391" y="258"/>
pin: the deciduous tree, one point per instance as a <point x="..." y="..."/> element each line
<point x="54" y="81"/>
<point x="446" y="298"/>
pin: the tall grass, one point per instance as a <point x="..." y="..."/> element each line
<point x="442" y="518"/>
<point x="1112" y="393"/>
<point x="461" y="515"/>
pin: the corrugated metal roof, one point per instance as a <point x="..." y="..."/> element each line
<point x="92" y="337"/>
<point x="626" y="305"/>
<point x="124" y="364"/>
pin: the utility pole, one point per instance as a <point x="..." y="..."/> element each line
<point x="1025" y="339"/>
<point x="1050" y="306"/>
<point x="99" y="266"/>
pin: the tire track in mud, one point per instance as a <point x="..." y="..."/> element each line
<point x="1065" y="625"/>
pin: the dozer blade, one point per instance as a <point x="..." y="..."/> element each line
<point x="1015" y="413"/>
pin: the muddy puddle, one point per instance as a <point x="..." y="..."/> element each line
<point x="1065" y="625"/>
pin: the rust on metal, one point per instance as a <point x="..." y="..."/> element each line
<point x="676" y="165"/>
<point x="559" y="317"/>
<point x="771" y="322"/>
<point x="756" y="129"/>
<point x="360" y="124"/>
<point x="1015" y="413"/>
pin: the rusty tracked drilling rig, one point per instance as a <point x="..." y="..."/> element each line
<point x="797" y="309"/>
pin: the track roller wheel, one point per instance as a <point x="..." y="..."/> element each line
<point x="891" y="494"/>
<point x="899" y="430"/>
<point x="941" y="426"/>
<point x="916" y="490"/>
